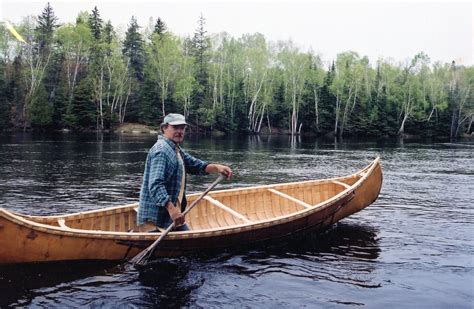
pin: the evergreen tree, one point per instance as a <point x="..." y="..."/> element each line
<point x="200" y="49"/>
<point x="96" y="56"/>
<point x="18" y="91"/>
<point x="40" y="111"/>
<point x="133" y="49"/>
<point x="280" y="109"/>
<point x="241" y="119"/>
<point x="82" y="113"/>
<point x="47" y="25"/>
<point x="149" y="102"/>
<point x="95" y="23"/>
<point x="51" y="81"/>
<point x="60" y="103"/>
<point x="45" y="29"/>
<point x="108" y="32"/>
<point x="160" y="27"/>
<point x="327" y="102"/>
<point x="5" y="105"/>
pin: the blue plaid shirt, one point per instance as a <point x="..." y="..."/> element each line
<point x="162" y="180"/>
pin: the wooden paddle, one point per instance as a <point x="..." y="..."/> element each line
<point x="142" y="258"/>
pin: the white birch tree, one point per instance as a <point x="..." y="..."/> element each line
<point x="295" y="66"/>
<point x="164" y="54"/>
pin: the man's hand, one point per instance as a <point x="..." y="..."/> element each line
<point x="219" y="168"/>
<point x="175" y="214"/>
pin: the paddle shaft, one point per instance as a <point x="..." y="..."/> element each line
<point x="142" y="257"/>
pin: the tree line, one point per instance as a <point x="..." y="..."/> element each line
<point x="87" y="76"/>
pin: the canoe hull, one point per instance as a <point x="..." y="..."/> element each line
<point x="26" y="239"/>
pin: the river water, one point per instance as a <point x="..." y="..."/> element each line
<point x="412" y="248"/>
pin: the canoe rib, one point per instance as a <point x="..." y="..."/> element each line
<point x="62" y="223"/>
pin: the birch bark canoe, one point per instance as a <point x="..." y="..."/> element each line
<point x="225" y="218"/>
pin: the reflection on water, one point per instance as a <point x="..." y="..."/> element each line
<point x="171" y="282"/>
<point x="18" y="281"/>
<point x="412" y="247"/>
<point x="168" y="282"/>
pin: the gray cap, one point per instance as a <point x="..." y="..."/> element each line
<point x="174" y="119"/>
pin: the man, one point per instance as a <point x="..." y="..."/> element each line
<point x="163" y="193"/>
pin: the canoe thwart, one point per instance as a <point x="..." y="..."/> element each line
<point x="227" y="208"/>
<point x="345" y="185"/>
<point x="297" y="201"/>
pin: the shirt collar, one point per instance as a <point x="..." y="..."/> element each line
<point x="170" y="142"/>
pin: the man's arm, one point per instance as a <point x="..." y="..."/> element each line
<point x="175" y="214"/>
<point x="157" y="179"/>
<point x="219" y="168"/>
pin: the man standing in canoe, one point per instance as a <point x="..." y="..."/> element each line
<point x="163" y="192"/>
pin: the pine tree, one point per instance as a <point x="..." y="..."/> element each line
<point x="60" y="103"/>
<point x="45" y="29"/>
<point x="327" y="102"/>
<point x="40" y="111"/>
<point x="160" y="27"/>
<point x="18" y="91"/>
<point x="95" y="23"/>
<point x="47" y="25"/>
<point x="200" y="49"/>
<point x="109" y="32"/>
<point x="133" y="49"/>
<point x="82" y="113"/>
<point x="149" y="102"/>
<point x="52" y="79"/>
<point x="5" y="105"/>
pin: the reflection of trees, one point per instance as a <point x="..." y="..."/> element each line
<point x="294" y="141"/>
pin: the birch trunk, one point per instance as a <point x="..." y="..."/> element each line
<point x="316" y="107"/>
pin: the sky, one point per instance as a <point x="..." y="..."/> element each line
<point x="393" y="30"/>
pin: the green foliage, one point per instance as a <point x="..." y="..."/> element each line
<point x="95" y="24"/>
<point x="40" y="110"/>
<point x="133" y="49"/>
<point x="82" y="113"/>
<point x="109" y="33"/>
<point x="160" y="27"/>
<point x="200" y="52"/>
<point x="45" y="29"/>
<point x="5" y="96"/>
<point x="84" y="76"/>
<point x="60" y="103"/>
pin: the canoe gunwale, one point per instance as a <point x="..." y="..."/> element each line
<point x="347" y="193"/>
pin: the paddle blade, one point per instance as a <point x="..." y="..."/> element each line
<point x="141" y="258"/>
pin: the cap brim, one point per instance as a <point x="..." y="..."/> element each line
<point x="177" y="123"/>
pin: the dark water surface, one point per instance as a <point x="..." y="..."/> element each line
<point x="413" y="248"/>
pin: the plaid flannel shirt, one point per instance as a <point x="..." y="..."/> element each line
<point x="162" y="180"/>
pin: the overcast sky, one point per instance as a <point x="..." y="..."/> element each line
<point x="390" y="29"/>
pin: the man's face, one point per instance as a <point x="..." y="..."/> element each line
<point x="175" y="133"/>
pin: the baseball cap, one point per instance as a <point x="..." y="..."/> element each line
<point x="174" y="119"/>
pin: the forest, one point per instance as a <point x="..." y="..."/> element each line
<point x="88" y="76"/>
